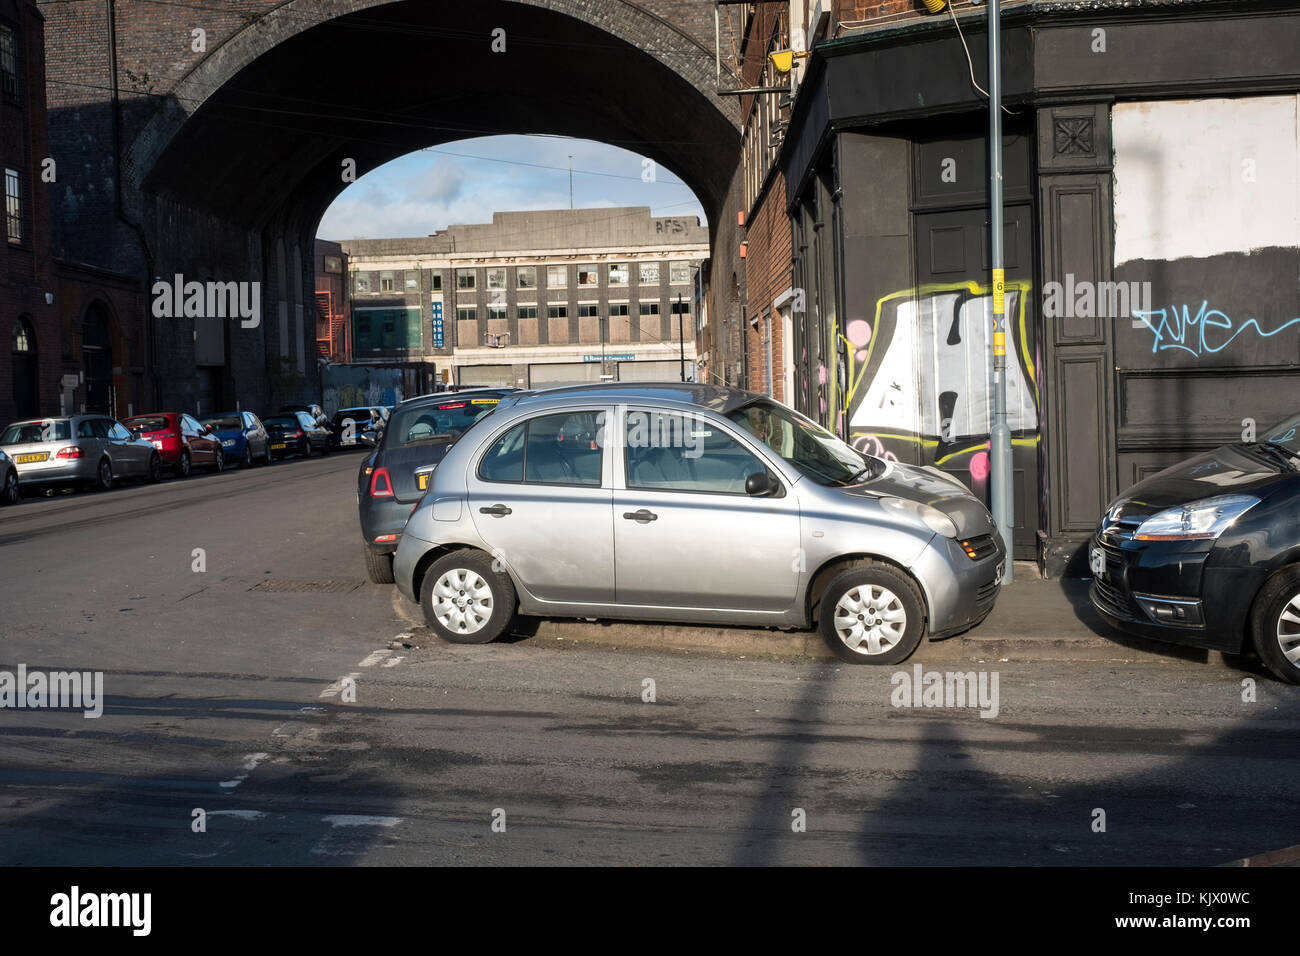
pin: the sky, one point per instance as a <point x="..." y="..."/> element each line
<point x="469" y="180"/>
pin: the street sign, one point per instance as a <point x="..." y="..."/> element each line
<point x="436" y="303"/>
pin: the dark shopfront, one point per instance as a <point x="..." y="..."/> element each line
<point x="888" y="204"/>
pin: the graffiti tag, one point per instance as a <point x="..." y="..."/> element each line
<point x="1208" y="332"/>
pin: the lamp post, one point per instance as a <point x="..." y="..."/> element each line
<point x="681" y="335"/>
<point x="1000" y="474"/>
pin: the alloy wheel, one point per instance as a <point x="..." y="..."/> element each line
<point x="1288" y="630"/>
<point x="870" y="619"/>
<point x="463" y="601"/>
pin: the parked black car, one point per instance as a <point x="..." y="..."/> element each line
<point x="356" y="427"/>
<point x="9" y="491"/>
<point x="395" y="476"/>
<point x="316" y="413"/>
<point x="296" y="433"/>
<point x="1207" y="552"/>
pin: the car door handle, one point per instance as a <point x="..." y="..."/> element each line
<point x="641" y="516"/>
<point x="498" y="510"/>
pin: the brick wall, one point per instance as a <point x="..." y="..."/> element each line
<point x="767" y="267"/>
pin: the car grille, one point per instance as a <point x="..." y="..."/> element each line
<point x="985" y="595"/>
<point x="1113" y="601"/>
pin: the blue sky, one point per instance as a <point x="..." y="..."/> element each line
<point x="467" y="181"/>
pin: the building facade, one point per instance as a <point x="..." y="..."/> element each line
<point x="536" y="299"/>
<point x="1152" y="232"/>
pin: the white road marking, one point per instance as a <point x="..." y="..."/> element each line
<point x="358" y="820"/>
<point x="238" y="814"/>
<point x="250" y="764"/>
<point x="333" y="689"/>
<point x="393" y="661"/>
<point x="374" y="658"/>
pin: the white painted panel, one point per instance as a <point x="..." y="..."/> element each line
<point x="1196" y="178"/>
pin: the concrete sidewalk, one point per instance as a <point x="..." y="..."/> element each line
<point x="1034" y="619"/>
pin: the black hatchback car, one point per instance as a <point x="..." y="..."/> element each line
<point x="393" y="479"/>
<point x="1207" y="552"/>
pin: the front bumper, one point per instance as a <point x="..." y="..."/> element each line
<point x="960" y="591"/>
<point x="1171" y="591"/>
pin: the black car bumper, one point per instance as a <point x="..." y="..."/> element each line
<point x="1171" y="591"/>
<point x="382" y="522"/>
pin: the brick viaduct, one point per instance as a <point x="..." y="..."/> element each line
<point x="213" y="141"/>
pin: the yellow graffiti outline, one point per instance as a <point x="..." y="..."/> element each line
<point x="1023" y="285"/>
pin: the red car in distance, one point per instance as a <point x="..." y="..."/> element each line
<point x="182" y="443"/>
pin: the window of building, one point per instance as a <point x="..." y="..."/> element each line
<point x="496" y="278"/>
<point x="588" y="311"/>
<point x="497" y="312"/>
<point x="681" y="308"/>
<point x="465" y="279"/>
<point x="649" y="308"/>
<point x="334" y="264"/>
<point x="588" y="275"/>
<point x="526" y="277"/>
<point x="13" y="206"/>
<point x="9" y="62"/>
<point x="618" y="273"/>
<point x="466" y="315"/>
<point x="557" y="277"/>
<point x="361" y="282"/>
<point x="528" y="312"/>
<point x="435" y="280"/>
<point x="387" y="282"/>
<point x="557" y="312"/>
<point x="649" y="273"/>
<point x="618" y="308"/>
<point x="412" y="281"/>
<point x="679" y="273"/>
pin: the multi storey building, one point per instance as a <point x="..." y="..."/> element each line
<point x="535" y="299"/>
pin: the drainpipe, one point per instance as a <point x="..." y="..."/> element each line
<point x="120" y="212"/>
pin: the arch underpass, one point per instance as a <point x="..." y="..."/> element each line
<point x="226" y="169"/>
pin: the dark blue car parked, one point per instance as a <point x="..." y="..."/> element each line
<point x="243" y="437"/>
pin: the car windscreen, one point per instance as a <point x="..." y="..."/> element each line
<point x="222" y="423"/>
<point x="1287" y="434"/>
<point x="358" y="415"/>
<point x="437" y="419"/>
<point x="26" y="433"/>
<point x="813" y="450"/>
<point x="148" y="423"/>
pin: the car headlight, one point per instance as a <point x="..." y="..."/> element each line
<point x="1208" y="518"/>
<point x="932" y="518"/>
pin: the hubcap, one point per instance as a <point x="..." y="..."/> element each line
<point x="1288" y="630"/>
<point x="11" y="487"/>
<point x="462" y="601"/>
<point x="870" y="619"/>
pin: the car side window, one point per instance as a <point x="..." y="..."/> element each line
<point x="668" y="451"/>
<point x="86" y="428"/>
<point x="188" y="424"/>
<point x="101" y="427"/>
<point x="563" y="449"/>
<point x="118" y="431"/>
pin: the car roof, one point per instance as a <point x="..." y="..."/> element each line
<point x="718" y="398"/>
<point x="440" y="398"/>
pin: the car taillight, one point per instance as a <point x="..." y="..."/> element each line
<point x="298" y="433"/>
<point x="73" y="451"/>
<point x="381" y="485"/>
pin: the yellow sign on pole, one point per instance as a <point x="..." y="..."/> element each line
<point x="999" y="291"/>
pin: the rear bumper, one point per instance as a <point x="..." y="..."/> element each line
<point x="381" y="517"/>
<point x="59" y="470"/>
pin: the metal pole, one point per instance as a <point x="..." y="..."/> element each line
<point x="681" y="334"/>
<point x="570" y="182"/>
<point x="1000" y="440"/>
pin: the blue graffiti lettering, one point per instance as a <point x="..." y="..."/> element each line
<point x="1172" y="329"/>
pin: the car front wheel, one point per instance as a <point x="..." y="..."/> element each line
<point x="11" y="490"/>
<point x="464" y="600"/>
<point x="872" y="614"/>
<point x="1275" y="624"/>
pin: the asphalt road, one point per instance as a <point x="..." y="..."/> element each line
<point x="224" y="695"/>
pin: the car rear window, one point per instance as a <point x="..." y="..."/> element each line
<point x="148" y="423"/>
<point x="221" y="423"/>
<point x="356" y="414"/>
<point x="441" y="419"/>
<point x="29" y="432"/>
<point x="282" y="421"/>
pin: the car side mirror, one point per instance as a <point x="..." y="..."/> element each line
<point x="760" y="484"/>
<point x="367" y="440"/>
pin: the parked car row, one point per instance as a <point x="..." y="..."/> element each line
<point x="96" y="451"/>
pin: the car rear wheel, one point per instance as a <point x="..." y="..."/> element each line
<point x="872" y="614"/>
<point x="12" y="493"/>
<point x="464" y="600"/>
<point x="1275" y="624"/>
<point x="378" y="566"/>
<point x="269" y="457"/>
<point x="104" y="477"/>
<point x="154" y="473"/>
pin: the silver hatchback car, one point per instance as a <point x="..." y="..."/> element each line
<point x="684" y="502"/>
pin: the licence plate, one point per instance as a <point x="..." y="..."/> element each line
<point x="422" y="482"/>
<point x="1097" y="561"/>
<point x="280" y="447"/>
<point x="157" y="443"/>
<point x="28" y="459"/>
